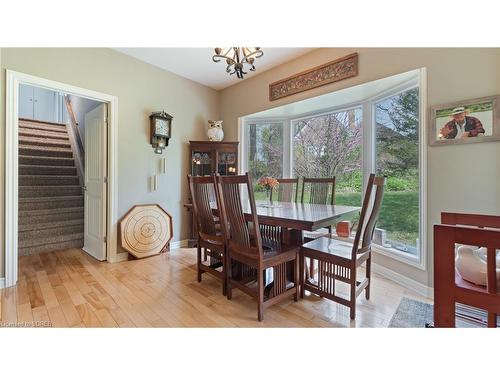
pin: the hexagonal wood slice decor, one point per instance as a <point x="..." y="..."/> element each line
<point x="146" y="230"/>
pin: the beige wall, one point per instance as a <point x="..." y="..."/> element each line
<point x="2" y="169"/>
<point x="459" y="178"/>
<point x="141" y="89"/>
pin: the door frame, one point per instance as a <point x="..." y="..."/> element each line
<point x="13" y="80"/>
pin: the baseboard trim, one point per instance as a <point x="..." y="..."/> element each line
<point x="2" y="282"/>
<point x="402" y="280"/>
<point x="178" y="244"/>
<point x="120" y="257"/>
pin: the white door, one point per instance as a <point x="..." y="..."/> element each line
<point x="95" y="186"/>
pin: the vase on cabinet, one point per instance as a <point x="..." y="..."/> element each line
<point x="215" y="132"/>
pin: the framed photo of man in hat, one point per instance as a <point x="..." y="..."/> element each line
<point x="469" y="121"/>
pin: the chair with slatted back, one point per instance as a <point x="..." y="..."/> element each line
<point x="288" y="190"/>
<point x="318" y="191"/>
<point x="339" y="260"/>
<point x="210" y="238"/>
<point x="321" y="190"/>
<point x="245" y="247"/>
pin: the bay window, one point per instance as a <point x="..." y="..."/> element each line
<point x="381" y="134"/>
<point x="328" y="145"/>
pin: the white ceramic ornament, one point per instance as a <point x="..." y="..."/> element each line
<point x="215" y="132"/>
<point x="470" y="262"/>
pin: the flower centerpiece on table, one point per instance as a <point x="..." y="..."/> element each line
<point x="268" y="183"/>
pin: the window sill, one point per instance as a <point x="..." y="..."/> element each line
<point x="399" y="256"/>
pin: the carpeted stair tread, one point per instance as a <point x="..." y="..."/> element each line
<point x="54" y="170"/>
<point x="50" y="235"/>
<point x="27" y="180"/>
<point x="37" y="241"/>
<point x="31" y="227"/>
<point x="49" y="191"/>
<point x="50" y="211"/>
<point x="45" y="142"/>
<point x="45" y="203"/>
<point x="47" y="199"/>
<point x="50" y="216"/>
<point x="33" y="150"/>
<point x="52" y="126"/>
<point x="45" y="160"/>
<point x="45" y="233"/>
<point x="32" y="132"/>
<point x="51" y="202"/>
<point x="73" y="244"/>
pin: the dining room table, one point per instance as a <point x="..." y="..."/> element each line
<point x="287" y="221"/>
<point x="299" y="217"/>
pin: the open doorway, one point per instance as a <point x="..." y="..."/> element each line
<point x="60" y="170"/>
<point x="60" y="137"/>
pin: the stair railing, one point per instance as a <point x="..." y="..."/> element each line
<point x="75" y="138"/>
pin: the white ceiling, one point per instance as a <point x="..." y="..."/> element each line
<point x="196" y="63"/>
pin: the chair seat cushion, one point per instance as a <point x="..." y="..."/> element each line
<point x="332" y="246"/>
<point x="316" y="234"/>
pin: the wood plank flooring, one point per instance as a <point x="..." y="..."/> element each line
<point x="70" y="289"/>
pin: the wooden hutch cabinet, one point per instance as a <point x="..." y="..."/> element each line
<point x="206" y="158"/>
<point x="209" y="157"/>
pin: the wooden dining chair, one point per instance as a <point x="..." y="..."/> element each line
<point x="321" y="190"/>
<point x="245" y="247"/>
<point x="339" y="260"/>
<point x="210" y="238"/>
<point x="317" y="191"/>
<point x="288" y="190"/>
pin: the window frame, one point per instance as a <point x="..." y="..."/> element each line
<point x="420" y="260"/>
<point x="368" y="154"/>
<point x="243" y="135"/>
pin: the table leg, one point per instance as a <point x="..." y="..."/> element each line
<point x="292" y="237"/>
<point x="192" y="241"/>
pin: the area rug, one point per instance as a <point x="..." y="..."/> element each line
<point x="412" y="314"/>
<point x="416" y="314"/>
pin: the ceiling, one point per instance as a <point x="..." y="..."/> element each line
<point x="196" y="63"/>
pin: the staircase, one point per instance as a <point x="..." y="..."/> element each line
<point x="50" y="194"/>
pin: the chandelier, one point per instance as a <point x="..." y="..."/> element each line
<point x="237" y="57"/>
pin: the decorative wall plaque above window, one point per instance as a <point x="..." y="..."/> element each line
<point x="333" y="71"/>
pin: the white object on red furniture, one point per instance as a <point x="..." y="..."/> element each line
<point x="470" y="263"/>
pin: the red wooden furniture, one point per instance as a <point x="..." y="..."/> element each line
<point x="449" y="287"/>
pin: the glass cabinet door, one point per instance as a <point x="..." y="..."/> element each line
<point x="201" y="163"/>
<point x="226" y="163"/>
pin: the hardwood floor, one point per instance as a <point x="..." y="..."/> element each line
<point x="70" y="289"/>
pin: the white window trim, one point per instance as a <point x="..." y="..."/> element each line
<point x="419" y="261"/>
<point x="368" y="158"/>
